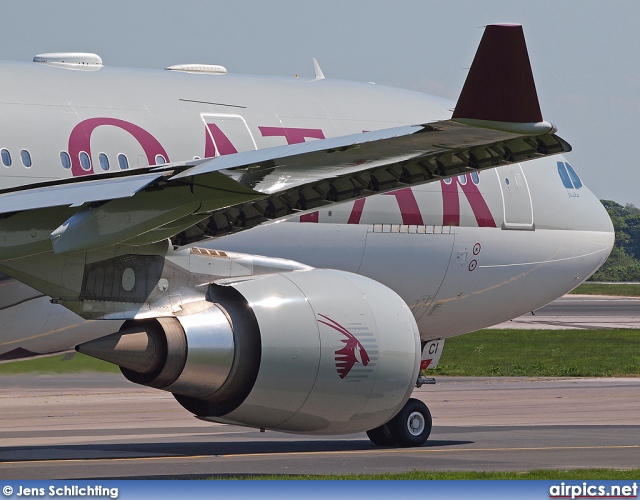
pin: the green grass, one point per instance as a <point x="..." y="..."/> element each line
<point x="547" y="353"/>
<point x="618" y="289"/>
<point x="54" y="364"/>
<point x="529" y="353"/>
<point x="575" y="474"/>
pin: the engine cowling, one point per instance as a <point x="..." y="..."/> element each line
<point x="319" y="351"/>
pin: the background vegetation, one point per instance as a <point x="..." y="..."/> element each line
<point x="514" y="353"/>
<point x="56" y="364"/>
<point x="615" y="289"/>
<point x="623" y="263"/>
<point x="547" y="353"/>
<point x="564" y="475"/>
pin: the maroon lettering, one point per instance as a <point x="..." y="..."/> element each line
<point x="215" y="139"/>
<point x="80" y="140"/>
<point x="292" y="135"/>
<point x="312" y="217"/>
<point x="356" y="211"/>
<point x="406" y="202"/>
<point x="451" y="203"/>
<point x="408" y="206"/>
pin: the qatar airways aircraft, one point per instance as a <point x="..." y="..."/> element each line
<point x="281" y="253"/>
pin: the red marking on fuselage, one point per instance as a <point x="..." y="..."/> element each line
<point x="292" y="135"/>
<point x="346" y="357"/>
<point x="408" y="206"/>
<point x="451" y="203"/>
<point x="409" y="210"/>
<point x="217" y="142"/>
<point x="312" y="217"/>
<point x="80" y="140"/>
<point x="356" y="211"/>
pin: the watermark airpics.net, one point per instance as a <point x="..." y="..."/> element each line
<point x="587" y="490"/>
<point x="94" y="491"/>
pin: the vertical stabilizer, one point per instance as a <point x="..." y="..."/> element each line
<point x="500" y="86"/>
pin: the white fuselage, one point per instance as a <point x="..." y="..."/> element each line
<point x="514" y="250"/>
<point x="464" y="253"/>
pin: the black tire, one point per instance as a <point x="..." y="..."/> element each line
<point x="412" y="425"/>
<point x="381" y="436"/>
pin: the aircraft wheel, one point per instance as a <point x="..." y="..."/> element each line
<point x="412" y="426"/>
<point x="381" y="436"/>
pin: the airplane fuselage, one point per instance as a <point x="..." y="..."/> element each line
<point x="464" y="252"/>
<point x="152" y="117"/>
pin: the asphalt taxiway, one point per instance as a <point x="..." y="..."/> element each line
<point x="581" y="312"/>
<point x="100" y="426"/>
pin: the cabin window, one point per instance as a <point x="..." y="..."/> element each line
<point x="104" y="161"/>
<point x="85" y="161"/>
<point x="449" y="180"/>
<point x="577" y="183"/>
<point x="6" y="157"/>
<point x="123" y="161"/>
<point x="160" y="160"/>
<point x="462" y="179"/>
<point x="65" y="159"/>
<point x="475" y="177"/>
<point x="26" y="158"/>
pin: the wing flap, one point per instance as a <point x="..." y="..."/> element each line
<point x="436" y="151"/>
<point x="75" y="194"/>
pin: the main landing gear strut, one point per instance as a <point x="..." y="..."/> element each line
<point x="410" y="427"/>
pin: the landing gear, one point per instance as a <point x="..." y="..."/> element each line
<point x="424" y="380"/>
<point x="381" y="436"/>
<point x="410" y="427"/>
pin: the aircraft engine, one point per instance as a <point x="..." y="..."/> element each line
<point x="318" y="351"/>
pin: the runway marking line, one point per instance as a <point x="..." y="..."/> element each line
<point x="298" y="453"/>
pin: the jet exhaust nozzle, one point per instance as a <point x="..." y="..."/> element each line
<point x="191" y="355"/>
<point x="137" y="349"/>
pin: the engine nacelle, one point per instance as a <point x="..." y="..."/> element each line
<point x="317" y="351"/>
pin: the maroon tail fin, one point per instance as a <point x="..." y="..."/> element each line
<point x="500" y="86"/>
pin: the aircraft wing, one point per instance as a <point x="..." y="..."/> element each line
<point x="147" y="205"/>
<point x="93" y="211"/>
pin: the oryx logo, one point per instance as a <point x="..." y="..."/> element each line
<point x="353" y="351"/>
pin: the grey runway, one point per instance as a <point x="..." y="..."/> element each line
<point x="100" y="426"/>
<point x="583" y="312"/>
<point x="592" y="305"/>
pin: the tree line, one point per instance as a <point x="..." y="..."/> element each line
<point x="623" y="264"/>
